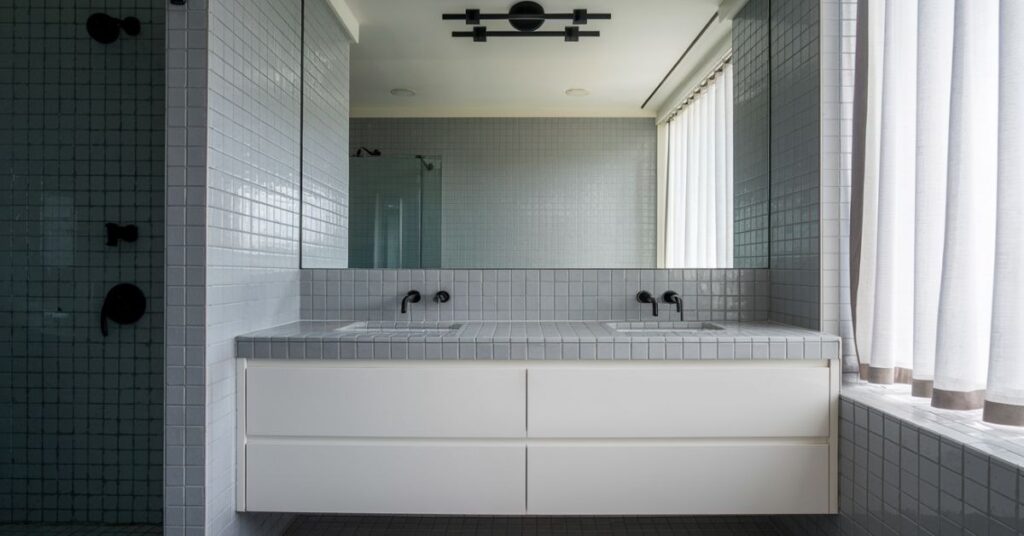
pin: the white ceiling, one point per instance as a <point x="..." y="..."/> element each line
<point x="405" y="44"/>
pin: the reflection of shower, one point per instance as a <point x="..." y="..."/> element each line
<point x="107" y="29"/>
<point x="429" y="166"/>
<point x="363" y="151"/>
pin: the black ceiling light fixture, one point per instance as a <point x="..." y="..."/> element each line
<point x="526" y="18"/>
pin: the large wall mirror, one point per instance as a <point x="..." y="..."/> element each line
<point x="428" y="150"/>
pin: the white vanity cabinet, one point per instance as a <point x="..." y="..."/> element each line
<point x="574" y="438"/>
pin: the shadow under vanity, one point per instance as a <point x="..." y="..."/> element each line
<point x="497" y="329"/>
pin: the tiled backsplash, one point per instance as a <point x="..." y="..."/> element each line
<point x="738" y="294"/>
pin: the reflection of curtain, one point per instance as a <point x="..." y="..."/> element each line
<point x="950" y="117"/>
<point x="699" y="212"/>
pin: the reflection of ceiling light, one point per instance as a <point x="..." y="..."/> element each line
<point x="402" y="92"/>
<point x="577" y="92"/>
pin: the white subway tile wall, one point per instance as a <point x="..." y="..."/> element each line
<point x="81" y="145"/>
<point x="751" y="136"/>
<point x="838" y="34"/>
<point x="795" y="173"/>
<point x="508" y="182"/>
<point x="731" y="294"/>
<point x="325" y="111"/>
<point x="252" y="225"/>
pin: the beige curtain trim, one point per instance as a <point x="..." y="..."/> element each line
<point x="921" y="388"/>
<point x="886" y="375"/>
<point x="961" y="400"/>
<point x="999" y="413"/>
<point x="883" y="375"/>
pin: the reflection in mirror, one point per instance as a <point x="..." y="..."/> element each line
<point x="493" y="170"/>
<point x="395" y="212"/>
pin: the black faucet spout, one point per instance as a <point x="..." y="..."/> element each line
<point x="645" y="297"/>
<point x="671" y="296"/>
<point x="413" y="296"/>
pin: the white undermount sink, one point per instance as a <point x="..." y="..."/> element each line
<point x="662" y="328"/>
<point x="411" y="328"/>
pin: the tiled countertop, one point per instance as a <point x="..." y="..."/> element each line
<point x="589" y="340"/>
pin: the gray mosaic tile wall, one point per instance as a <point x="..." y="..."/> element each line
<point x="252" y="226"/>
<point x="185" y="390"/>
<point x="325" y="105"/>
<point x="533" y="294"/>
<point x="795" y="170"/>
<point x="81" y="144"/>
<point x="897" y="478"/>
<point x="751" y="86"/>
<point x="508" y="182"/>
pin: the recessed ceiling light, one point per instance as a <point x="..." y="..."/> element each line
<point x="402" y="92"/>
<point x="577" y="92"/>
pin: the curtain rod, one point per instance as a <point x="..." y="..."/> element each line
<point x="676" y="64"/>
<point x="700" y="86"/>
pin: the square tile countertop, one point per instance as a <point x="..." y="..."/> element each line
<point x="536" y="340"/>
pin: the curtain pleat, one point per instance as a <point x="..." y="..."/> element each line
<point x="892" y="346"/>
<point x="937" y="241"/>
<point x="934" y="73"/>
<point x="1004" y="396"/>
<point x="699" y="216"/>
<point x="867" y="186"/>
<point x="965" y="303"/>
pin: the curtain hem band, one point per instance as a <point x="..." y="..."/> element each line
<point x="886" y="375"/>
<point x="960" y="400"/>
<point x="999" y="413"/>
<point x="921" y="388"/>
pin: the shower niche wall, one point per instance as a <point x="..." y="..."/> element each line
<point x="395" y="212"/>
<point x="81" y="147"/>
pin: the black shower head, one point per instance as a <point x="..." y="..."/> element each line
<point x="363" y="151"/>
<point x="429" y="166"/>
<point x="107" y="29"/>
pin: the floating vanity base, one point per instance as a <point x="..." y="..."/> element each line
<point x="551" y="438"/>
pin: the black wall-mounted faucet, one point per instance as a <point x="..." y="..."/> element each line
<point x="413" y="296"/>
<point x="442" y="296"/>
<point x="645" y="297"/>
<point x="671" y="296"/>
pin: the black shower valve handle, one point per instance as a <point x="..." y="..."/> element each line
<point x="116" y="233"/>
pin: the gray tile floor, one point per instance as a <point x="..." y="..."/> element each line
<point x="343" y="525"/>
<point x="80" y="530"/>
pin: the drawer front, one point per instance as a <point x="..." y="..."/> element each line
<point x="386" y="478"/>
<point x="679" y="402"/>
<point x="678" y="480"/>
<point x="385" y="402"/>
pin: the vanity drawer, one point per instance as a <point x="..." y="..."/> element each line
<point x="386" y="478"/>
<point x="679" y="402"/>
<point x="636" y="479"/>
<point x="432" y="402"/>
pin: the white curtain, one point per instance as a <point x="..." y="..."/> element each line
<point x="944" y="303"/>
<point x="934" y="72"/>
<point x="699" y="199"/>
<point x="1004" y="396"/>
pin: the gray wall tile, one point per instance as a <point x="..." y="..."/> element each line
<point x="81" y="144"/>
